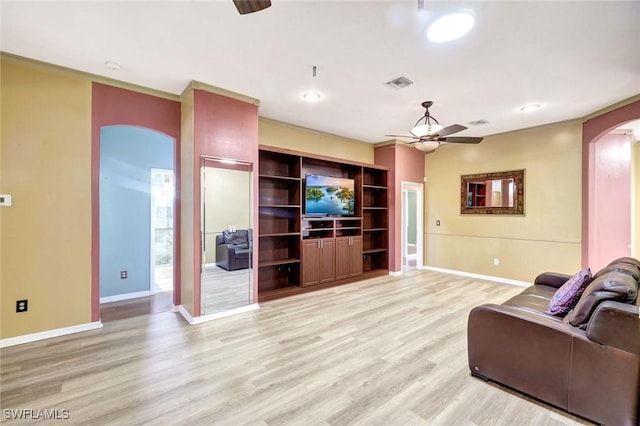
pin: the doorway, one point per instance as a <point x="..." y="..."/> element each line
<point x="620" y="121"/>
<point x="412" y="235"/>
<point x="162" y="207"/>
<point x="136" y="190"/>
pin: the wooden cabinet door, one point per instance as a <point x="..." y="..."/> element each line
<point x="355" y="257"/>
<point x="343" y="255"/>
<point x="310" y="262"/>
<point x="327" y="260"/>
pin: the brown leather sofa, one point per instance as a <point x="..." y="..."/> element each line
<point x="587" y="363"/>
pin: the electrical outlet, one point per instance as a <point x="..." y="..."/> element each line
<point x="22" y="305"/>
<point x="437" y="223"/>
<point x="496" y="261"/>
<point x="123" y="275"/>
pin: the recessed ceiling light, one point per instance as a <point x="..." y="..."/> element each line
<point x="450" y="27"/>
<point x="113" y="66"/>
<point x="311" y="96"/>
<point x="530" y="107"/>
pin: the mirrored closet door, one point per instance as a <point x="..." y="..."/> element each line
<point x="227" y="237"/>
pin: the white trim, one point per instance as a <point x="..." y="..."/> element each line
<point x="127" y="296"/>
<point x="479" y="276"/>
<point x="204" y="318"/>
<point x="395" y="273"/>
<point x="34" y="337"/>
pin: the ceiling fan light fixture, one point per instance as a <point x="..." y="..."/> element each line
<point x="427" y="146"/>
<point x="423" y="130"/>
<point x="450" y="27"/>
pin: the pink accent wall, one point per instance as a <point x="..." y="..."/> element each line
<point x="592" y="131"/>
<point x="226" y="128"/>
<point x="115" y="106"/>
<point x="405" y="164"/>
<point x="611" y="220"/>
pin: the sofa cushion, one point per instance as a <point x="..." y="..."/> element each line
<point x="237" y="237"/>
<point x="613" y="285"/>
<point x="566" y="297"/>
<point x="628" y="260"/>
<point x="625" y="268"/>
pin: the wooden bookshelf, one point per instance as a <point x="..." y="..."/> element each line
<point x="299" y="253"/>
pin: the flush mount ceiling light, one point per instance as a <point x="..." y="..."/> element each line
<point x="530" y="107"/>
<point x="450" y="27"/>
<point x="113" y="66"/>
<point x="311" y="96"/>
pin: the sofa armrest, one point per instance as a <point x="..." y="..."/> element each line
<point x="616" y="325"/>
<point x="522" y="349"/>
<point x="225" y="255"/>
<point x="551" y="279"/>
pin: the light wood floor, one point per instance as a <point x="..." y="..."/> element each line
<point x="223" y="290"/>
<point x="386" y="351"/>
<point x="158" y="302"/>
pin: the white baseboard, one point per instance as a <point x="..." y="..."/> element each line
<point x="479" y="276"/>
<point x="127" y="296"/>
<point x="395" y="273"/>
<point x="204" y="318"/>
<point x="34" y="337"/>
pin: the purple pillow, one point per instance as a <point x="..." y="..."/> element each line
<point x="566" y="297"/>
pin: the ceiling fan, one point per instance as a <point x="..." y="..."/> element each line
<point x="250" y="6"/>
<point x="430" y="134"/>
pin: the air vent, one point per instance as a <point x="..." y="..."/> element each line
<point x="399" y="83"/>
<point x="478" y="122"/>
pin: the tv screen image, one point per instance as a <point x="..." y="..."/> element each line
<point x="328" y="195"/>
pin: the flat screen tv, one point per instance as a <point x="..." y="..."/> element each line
<point x="328" y="195"/>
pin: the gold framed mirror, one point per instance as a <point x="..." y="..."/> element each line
<point x="492" y="193"/>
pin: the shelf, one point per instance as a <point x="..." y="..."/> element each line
<point x="277" y="262"/>
<point x="280" y="206"/>
<point x="374" y="229"/>
<point x="375" y="250"/>
<point x="284" y="178"/>
<point x="374" y="208"/>
<point x="280" y="234"/>
<point x="373" y="187"/>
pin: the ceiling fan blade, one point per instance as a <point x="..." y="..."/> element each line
<point x="449" y="130"/>
<point x="461" y="139"/>
<point x="402" y="136"/>
<point x="250" y="6"/>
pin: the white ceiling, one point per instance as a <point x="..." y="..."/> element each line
<point x="572" y="57"/>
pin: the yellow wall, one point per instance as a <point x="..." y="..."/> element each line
<point x="546" y="238"/>
<point x="186" y="204"/>
<point x="46" y="167"/>
<point x="282" y="135"/>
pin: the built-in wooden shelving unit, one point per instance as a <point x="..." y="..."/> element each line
<point x="299" y="253"/>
